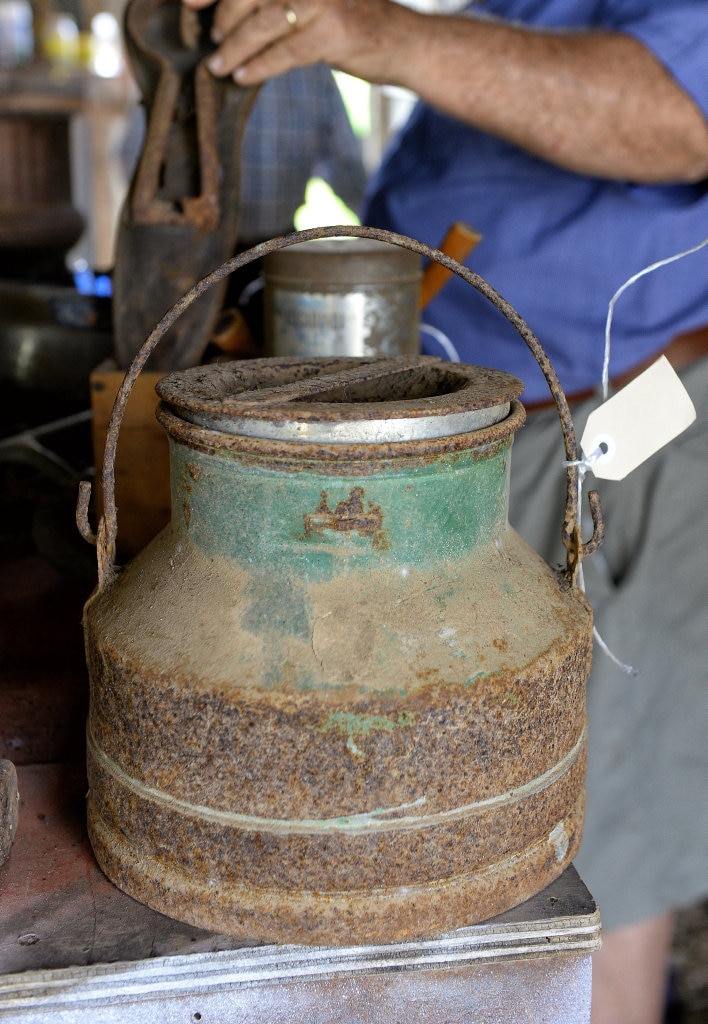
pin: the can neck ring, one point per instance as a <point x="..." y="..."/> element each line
<point x="341" y="400"/>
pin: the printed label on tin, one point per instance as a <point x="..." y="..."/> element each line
<point x="635" y="423"/>
<point x="358" y="323"/>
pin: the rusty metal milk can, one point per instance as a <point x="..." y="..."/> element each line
<point x="338" y="699"/>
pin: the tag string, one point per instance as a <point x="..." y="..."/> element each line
<point x="586" y="464"/>
<point x="620" y="291"/>
<point x="443" y="341"/>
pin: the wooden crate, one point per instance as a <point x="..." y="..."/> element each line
<point x="142" y="458"/>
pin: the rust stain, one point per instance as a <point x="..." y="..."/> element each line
<point x="340" y="459"/>
<point x="438" y="742"/>
<point x="348" y="516"/>
<point x="191" y="472"/>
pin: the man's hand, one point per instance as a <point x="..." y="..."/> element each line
<point x="595" y="103"/>
<point x="257" y="39"/>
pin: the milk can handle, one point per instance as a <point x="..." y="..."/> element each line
<point x="105" y="538"/>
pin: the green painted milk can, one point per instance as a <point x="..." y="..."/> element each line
<point x="338" y="699"/>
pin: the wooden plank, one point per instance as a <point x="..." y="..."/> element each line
<point x="43" y="679"/>
<point x="9" y="801"/>
<point x="57" y="909"/>
<point x="142" y="459"/>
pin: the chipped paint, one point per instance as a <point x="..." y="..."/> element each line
<point x="351" y="724"/>
<point x="560" y="840"/>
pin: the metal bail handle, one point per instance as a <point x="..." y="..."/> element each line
<point x="105" y="538"/>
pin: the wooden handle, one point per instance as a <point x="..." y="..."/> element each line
<point x="458" y="243"/>
<point x="232" y="335"/>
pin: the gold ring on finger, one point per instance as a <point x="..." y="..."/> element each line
<point x="290" y="16"/>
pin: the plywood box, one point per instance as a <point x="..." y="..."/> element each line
<point x="142" y="472"/>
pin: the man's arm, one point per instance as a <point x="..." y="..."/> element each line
<point x="596" y="103"/>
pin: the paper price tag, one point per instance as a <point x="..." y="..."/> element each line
<point x="640" y="419"/>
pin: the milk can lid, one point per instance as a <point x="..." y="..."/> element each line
<point x="341" y="399"/>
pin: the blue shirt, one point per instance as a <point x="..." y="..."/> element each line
<point x="557" y="245"/>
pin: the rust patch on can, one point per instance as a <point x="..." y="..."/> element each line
<point x="348" y="516"/>
<point x="192" y="471"/>
<point x="337" y="815"/>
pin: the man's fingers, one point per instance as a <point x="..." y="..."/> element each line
<point x="265" y="43"/>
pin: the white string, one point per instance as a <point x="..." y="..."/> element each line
<point x="443" y="341"/>
<point x="587" y="462"/>
<point x="620" y="291"/>
<point x="584" y="465"/>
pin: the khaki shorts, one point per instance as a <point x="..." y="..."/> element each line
<point x="645" y="845"/>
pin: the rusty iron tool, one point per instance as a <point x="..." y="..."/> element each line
<point x="458" y="243"/>
<point x="180" y="217"/>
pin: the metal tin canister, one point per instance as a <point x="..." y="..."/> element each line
<point x="338" y="699"/>
<point x="344" y="296"/>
